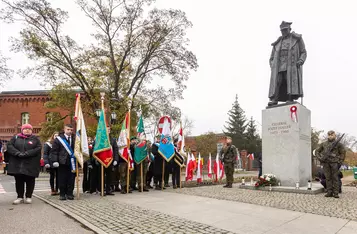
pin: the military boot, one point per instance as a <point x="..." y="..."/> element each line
<point x="230" y="185"/>
<point x="226" y="186"/>
<point x="329" y="195"/>
<point x="336" y="196"/>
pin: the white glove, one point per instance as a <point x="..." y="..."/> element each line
<point x="115" y="163"/>
<point x="55" y="164"/>
<point x="90" y="166"/>
<point x="47" y="166"/>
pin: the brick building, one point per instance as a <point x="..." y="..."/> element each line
<point x="21" y="107"/>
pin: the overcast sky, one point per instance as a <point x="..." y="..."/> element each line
<point x="232" y="41"/>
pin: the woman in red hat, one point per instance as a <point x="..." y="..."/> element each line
<point x="24" y="152"/>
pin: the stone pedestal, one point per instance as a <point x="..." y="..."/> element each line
<point x="287" y="144"/>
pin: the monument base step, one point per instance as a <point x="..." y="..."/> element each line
<point x="315" y="189"/>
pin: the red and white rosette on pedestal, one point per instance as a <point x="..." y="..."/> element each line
<point x="293" y="114"/>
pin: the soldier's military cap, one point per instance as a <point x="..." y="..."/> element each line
<point x="330" y="132"/>
<point x="285" y="24"/>
<point x="133" y="138"/>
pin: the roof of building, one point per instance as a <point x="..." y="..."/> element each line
<point x="26" y="92"/>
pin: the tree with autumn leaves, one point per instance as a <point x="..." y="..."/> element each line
<point x="134" y="45"/>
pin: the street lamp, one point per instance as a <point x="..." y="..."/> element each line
<point x="97" y="112"/>
<point x="114" y="117"/>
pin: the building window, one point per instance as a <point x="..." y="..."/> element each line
<point x="25" y="118"/>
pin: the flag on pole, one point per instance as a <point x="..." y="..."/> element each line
<point x="166" y="148"/>
<point x="124" y="142"/>
<point x="199" y="169"/>
<point x="181" y="141"/>
<point x="189" y="171"/>
<point x="102" y="148"/>
<point x="81" y="150"/>
<point x="209" y="166"/>
<point x="218" y="168"/>
<point x="251" y="156"/>
<point x="141" y="151"/>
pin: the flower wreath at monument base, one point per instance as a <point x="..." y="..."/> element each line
<point x="267" y="180"/>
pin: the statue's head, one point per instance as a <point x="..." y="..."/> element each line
<point x="331" y="135"/>
<point x="285" y="28"/>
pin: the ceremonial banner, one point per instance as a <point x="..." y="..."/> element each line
<point x="141" y="151"/>
<point x="124" y="142"/>
<point x="81" y="150"/>
<point x="102" y="148"/>
<point x="166" y="147"/>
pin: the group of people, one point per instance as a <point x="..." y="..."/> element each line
<point x="24" y="152"/>
<point x="148" y="172"/>
<point x="23" y="155"/>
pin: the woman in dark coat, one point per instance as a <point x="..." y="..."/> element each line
<point x="24" y="152"/>
<point x="48" y="164"/>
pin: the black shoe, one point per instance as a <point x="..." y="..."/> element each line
<point x="229" y="186"/>
<point x="225" y="186"/>
<point x="123" y="191"/>
<point x="329" y="195"/>
<point x="336" y="196"/>
<point x="109" y="194"/>
<point x="62" y="198"/>
<point x="174" y="187"/>
<point x="70" y="197"/>
<point x="166" y="186"/>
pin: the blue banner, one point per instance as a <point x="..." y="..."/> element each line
<point x="166" y="148"/>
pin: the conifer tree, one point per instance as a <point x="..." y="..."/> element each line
<point x="236" y="125"/>
<point x="253" y="140"/>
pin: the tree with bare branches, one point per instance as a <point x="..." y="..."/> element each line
<point x="135" y="45"/>
<point x="5" y="72"/>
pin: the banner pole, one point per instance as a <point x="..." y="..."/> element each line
<point x="77" y="175"/>
<point x="180" y="177"/>
<point x="102" y="179"/>
<point x="128" y="146"/>
<point x="141" y="171"/>
<point x="163" y="174"/>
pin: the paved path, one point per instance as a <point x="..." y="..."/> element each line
<point x="37" y="217"/>
<point x="344" y="207"/>
<point x="165" y="212"/>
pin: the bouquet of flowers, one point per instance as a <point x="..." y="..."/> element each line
<point x="266" y="180"/>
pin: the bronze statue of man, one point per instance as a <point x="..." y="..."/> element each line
<point x="286" y="60"/>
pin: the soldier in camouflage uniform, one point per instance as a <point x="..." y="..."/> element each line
<point x="331" y="163"/>
<point x="228" y="155"/>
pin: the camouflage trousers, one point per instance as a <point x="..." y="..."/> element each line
<point x="123" y="174"/>
<point x="229" y="170"/>
<point x="331" y="171"/>
<point x="138" y="173"/>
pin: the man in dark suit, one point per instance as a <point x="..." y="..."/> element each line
<point x="60" y="155"/>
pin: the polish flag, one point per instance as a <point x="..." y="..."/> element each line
<point x="209" y="166"/>
<point x="181" y="141"/>
<point x="188" y="168"/>
<point x="218" y="168"/>
<point x="251" y="156"/>
<point x="199" y="169"/>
